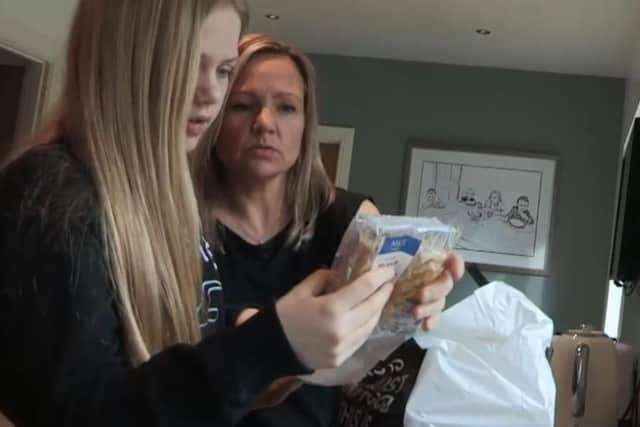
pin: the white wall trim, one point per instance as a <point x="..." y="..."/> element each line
<point x="344" y="137"/>
<point x="45" y="49"/>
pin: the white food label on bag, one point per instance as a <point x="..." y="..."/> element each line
<point x="397" y="252"/>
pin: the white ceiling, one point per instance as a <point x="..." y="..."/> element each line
<point x="592" y="37"/>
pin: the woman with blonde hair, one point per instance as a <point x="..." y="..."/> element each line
<point x="106" y="316"/>
<point x="273" y="214"/>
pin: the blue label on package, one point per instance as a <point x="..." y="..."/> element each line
<point x="406" y="244"/>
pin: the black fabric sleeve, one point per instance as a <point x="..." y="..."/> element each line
<point x="62" y="358"/>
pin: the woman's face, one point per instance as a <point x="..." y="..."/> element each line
<point x="219" y="49"/>
<point x="264" y="121"/>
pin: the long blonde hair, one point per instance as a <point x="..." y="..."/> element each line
<point x="309" y="190"/>
<point x="130" y="79"/>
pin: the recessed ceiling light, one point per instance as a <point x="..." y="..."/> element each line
<point x="483" y="31"/>
<point x="272" y="16"/>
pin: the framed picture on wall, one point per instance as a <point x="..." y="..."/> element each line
<point x="501" y="202"/>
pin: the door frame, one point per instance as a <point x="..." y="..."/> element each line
<point x="33" y="94"/>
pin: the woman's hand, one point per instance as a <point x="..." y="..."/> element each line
<point x="324" y="329"/>
<point x="431" y="299"/>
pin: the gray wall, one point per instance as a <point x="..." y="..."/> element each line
<point x="574" y="118"/>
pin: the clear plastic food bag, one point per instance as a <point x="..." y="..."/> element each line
<point x="416" y="248"/>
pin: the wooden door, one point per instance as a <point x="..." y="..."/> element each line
<point x="330" y="152"/>
<point x="11" y="80"/>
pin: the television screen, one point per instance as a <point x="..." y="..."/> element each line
<point x="625" y="265"/>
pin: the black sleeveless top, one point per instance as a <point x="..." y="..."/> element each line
<point x="254" y="275"/>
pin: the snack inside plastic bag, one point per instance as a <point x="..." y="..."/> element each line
<point x="416" y="248"/>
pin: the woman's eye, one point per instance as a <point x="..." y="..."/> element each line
<point x="225" y="72"/>
<point x="239" y="106"/>
<point x="287" y="108"/>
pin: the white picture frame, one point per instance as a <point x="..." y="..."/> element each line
<point x="344" y="137"/>
<point x="500" y="202"/>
